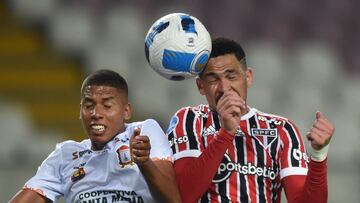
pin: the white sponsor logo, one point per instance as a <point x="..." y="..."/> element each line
<point x="298" y="155"/>
<point x="178" y="140"/>
<point x="271" y="120"/>
<point x="227" y="166"/>
<point x="209" y="131"/>
<point x="199" y="112"/>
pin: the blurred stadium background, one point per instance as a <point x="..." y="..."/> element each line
<point x="305" y="56"/>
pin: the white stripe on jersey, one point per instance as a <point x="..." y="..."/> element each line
<point x="184" y="127"/>
<point x="188" y="153"/>
<point x="255" y="176"/>
<point x="196" y="130"/>
<point x="293" y="171"/>
<point x="246" y="161"/>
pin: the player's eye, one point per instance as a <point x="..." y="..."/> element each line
<point x="231" y="75"/>
<point x="88" y="105"/>
<point x="107" y="106"/>
<point x="211" y="79"/>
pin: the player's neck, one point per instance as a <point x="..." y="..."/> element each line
<point x="97" y="146"/>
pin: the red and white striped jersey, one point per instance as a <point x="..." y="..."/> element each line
<point x="268" y="149"/>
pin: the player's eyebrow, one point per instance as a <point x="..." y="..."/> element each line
<point x="87" y="99"/>
<point x="209" y="74"/>
<point x="108" y="98"/>
<point x="225" y="72"/>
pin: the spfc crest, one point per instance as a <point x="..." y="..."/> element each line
<point x="265" y="136"/>
<point x="124" y="155"/>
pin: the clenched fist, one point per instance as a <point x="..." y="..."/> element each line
<point x="320" y="135"/>
<point x="140" y="147"/>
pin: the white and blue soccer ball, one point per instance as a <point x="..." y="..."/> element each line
<point x="177" y="46"/>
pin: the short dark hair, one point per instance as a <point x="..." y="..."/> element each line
<point x="106" y="77"/>
<point x="222" y="46"/>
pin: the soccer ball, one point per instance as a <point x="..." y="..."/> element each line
<point x="177" y="46"/>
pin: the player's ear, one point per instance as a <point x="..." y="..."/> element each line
<point x="249" y="76"/>
<point x="200" y="86"/>
<point x="127" y="111"/>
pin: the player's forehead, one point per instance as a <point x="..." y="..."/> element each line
<point x="101" y="91"/>
<point x="222" y="64"/>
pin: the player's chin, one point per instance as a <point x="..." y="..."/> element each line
<point x="100" y="139"/>
<point x="96" y="135"/>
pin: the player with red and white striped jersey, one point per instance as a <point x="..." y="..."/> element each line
<point x="226" y="151"/>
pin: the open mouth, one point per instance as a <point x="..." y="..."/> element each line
<point x="98" y="128"/>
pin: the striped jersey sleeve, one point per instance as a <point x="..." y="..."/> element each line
<point x="293" y="158"/>
<point x="184" y="133"/>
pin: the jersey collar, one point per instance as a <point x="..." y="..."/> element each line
<point x="123" y="137"/>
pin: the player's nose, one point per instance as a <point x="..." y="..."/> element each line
<point x="224" y="85"/>
<point x="96" y="112"/>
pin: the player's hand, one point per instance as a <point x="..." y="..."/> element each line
<point x="321" y="132"/>
<point x="230" y="107"/>
<point x="140" y="147"/>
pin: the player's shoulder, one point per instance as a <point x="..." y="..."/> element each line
<point x="64" y="151"/>
<point x="140" y="124"/>
<point x="279" y="119"/>
<point x="73" y="145"/>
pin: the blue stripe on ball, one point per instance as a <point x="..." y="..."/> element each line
<point x="177" y="61"/>
<point x="201" y="62"/>
<point x="188" y="24"/>
<point x="156" y="30"/>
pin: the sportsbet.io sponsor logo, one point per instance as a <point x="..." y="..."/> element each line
<point x="227" y="166"/>
<point x="178" y="140"/>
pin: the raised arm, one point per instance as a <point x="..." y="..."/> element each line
<point x="159" y="174"/>
<point x="313" y="187"/>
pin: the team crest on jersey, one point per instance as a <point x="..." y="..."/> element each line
<point x="78" y="174"/>
<point x="265" y="136"/>
<point x="124" y="156"/>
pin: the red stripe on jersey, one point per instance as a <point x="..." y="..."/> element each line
<point x="284" y="157"/>
<point x="180" y="129"/>
<point x="268" y="163"/>
<point x="251" y="159"/>
<point x="232" y="183"/>
<point x="213" y="196"/>
<point x="198" y="126"/>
